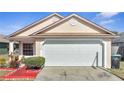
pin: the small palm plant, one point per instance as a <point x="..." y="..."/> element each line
<point x="14" y="61"/>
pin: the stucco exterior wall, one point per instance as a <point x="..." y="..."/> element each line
<point x="37" y="47"/>
<point x="39" y="26"/>
<point x="107" y="53"/>
<point x="21" y="48"/>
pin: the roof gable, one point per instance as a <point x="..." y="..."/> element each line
<point x="26" y="31"/>
<point x="73" y="24"/>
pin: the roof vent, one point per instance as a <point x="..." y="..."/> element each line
<point x="73" y="22"/>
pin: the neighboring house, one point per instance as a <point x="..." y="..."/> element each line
<point x="69" y="41"/>
<point x="4" y="45"/>
<point x="118" y="44"/>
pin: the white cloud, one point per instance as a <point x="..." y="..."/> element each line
<point x="105" y="18"/>
<point x="104" y="15"/>
<point x="107" y="22"/>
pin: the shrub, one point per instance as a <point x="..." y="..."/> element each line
<point x="2" y="62"/>
<point x="34" y="62"/>
<point x="14" y="63"/>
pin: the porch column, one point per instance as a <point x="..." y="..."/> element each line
<point x="41" y="50"/>
<point x="11" y="47"/>
<point x="107" y="53"/>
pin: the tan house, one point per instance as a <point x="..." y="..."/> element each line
<point x="65" y="41"/>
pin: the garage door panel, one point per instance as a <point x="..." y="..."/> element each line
<point x="64" y="54"/>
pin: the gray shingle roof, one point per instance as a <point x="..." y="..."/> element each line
<point x="120" y="38"/>
<point x="3" y="39"/>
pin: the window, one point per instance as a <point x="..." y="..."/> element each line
<point x="27" y="49"/>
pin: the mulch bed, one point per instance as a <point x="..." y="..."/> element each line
<point x="20" y="74"/>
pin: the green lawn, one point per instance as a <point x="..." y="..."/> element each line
<point x="5" y="56"/>
<point x="118" y="72"/>
<point x="2" y="73"/>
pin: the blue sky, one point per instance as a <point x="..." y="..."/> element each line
<point x="13" y="21"/>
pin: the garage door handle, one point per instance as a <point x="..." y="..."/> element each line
<point x="95" y="59"/>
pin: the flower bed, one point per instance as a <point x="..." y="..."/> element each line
<point x="13" y="71"/>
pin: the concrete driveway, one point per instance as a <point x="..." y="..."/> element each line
<point x="60" y="73"/>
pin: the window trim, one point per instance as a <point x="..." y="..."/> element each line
<point x="29" y="50"/>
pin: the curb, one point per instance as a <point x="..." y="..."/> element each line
<point x="110" y="73"/>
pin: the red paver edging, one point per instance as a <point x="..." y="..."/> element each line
<point x="21" y="73"/>
<point x="7" y="68"/>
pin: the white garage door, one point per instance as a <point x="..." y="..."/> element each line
<point x="72" y="53"/>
